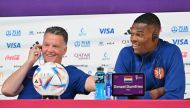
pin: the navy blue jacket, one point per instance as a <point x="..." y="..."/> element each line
<point x="162" y="68"/>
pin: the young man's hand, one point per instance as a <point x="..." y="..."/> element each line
<point x="156" y="93"/>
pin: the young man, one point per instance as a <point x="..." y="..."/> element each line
<point x="160" y="61"/>
<point x="53" y="49"/>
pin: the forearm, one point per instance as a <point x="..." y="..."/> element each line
<point x="90" y="84"/>
<point x="13" y="84"/>
<point x="157" y="93"/>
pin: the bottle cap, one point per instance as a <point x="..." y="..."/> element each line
<point x="100" y="69"/>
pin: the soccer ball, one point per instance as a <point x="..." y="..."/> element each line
<point x="50" y="79"/>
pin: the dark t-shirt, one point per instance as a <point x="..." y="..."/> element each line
<point x="77" y="79"/>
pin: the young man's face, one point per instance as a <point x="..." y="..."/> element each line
<point x="141" y="38"/>
<point x="53" y="48"/>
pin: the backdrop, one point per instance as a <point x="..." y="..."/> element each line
<point x="79" y="7"/>
<point x="94" y="40"/>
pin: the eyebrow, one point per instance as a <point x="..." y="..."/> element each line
<point x="138" y="30"/>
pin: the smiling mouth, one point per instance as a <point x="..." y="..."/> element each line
<point x="135" y="46"/>
<point x="49" y="56"/>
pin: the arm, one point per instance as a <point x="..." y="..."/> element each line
<point x="156" y="93"/>
<point x="122" y="62"/>
<point x="175" y="78"/>
<point x="121" y="65"/>
<point x="12" y="86"/>
<point x="90" y="84"/>
<point x="153" y="94"/>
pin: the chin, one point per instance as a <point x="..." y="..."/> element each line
<point x="136" y="52"/>
<point x="50" y="61"/>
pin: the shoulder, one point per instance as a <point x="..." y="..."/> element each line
<point x="76" y="74"/>
<point x="32" y="70"/>
<point x="126" y="52"/>
<point x="168" y="47"/>
<point x="72" y="70"/>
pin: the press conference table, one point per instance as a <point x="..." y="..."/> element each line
<point x="94" y="103"/>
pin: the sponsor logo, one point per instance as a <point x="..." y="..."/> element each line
<point x="82" y="56"/>
<point x="13" y="33"/>
<point x="82" y="65"/>
<point x="65" y="56"/>
<point x="128" y="32"/>
<point x="106" y="43"/>
<point x="101" y="44"/>
<point x="106" y="56"/>
<point x="138" y="77"/>
<point x="40" y="32"/>
<point x="187" y="64"/>
<point x="13" y="45"/>
<point x="110" y="43"/>
<point x="159" y="72"/>
<point x="125" y="41"/>
<point x="89" y="72"/>
<point x="1" y="74"/>
<point x="31" y="33"/>
<point x="106" y="30"/>
<point x="184" y="54"/>
<point x="82" y="32"/>
<point x="180" y="41"/>
<point x="16" y="66"/>
<point x="176" y="29"/>
<point x="82" y="43"/>
<point x="12" y="58"/>
<point x="106" y="65"/>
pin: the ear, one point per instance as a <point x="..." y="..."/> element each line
<point x="157" y="31"/>
<point x="64" y="50"/>
<point x="154" y="36"/>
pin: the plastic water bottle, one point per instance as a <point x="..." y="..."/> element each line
<point x="109" y="84"/>
<point x="100" y="84"/>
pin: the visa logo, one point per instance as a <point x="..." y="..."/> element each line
<point x="180" y="41"/>
<point x="13" y="45"/>
<point x="107" y="30"/>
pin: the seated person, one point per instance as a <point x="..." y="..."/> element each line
<point x="160" y="61"/>
<point x="53" y="49"/>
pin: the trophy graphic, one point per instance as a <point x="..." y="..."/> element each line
<point x="50" y="80"/>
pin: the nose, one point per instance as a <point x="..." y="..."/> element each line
<point x="133" y="38"/>
<point x="50" y="49"/>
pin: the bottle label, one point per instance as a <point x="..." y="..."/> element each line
<point x="99" y="78"/>
<point x="108" y="85"/>
<point x="108" y="91"/>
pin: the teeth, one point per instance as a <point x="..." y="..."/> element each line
<point x="50" y="55"/>
<point x="135" y="45"/>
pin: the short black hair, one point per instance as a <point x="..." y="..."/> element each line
<point x="149" y="19"/>
<point x="58" y="31"/>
